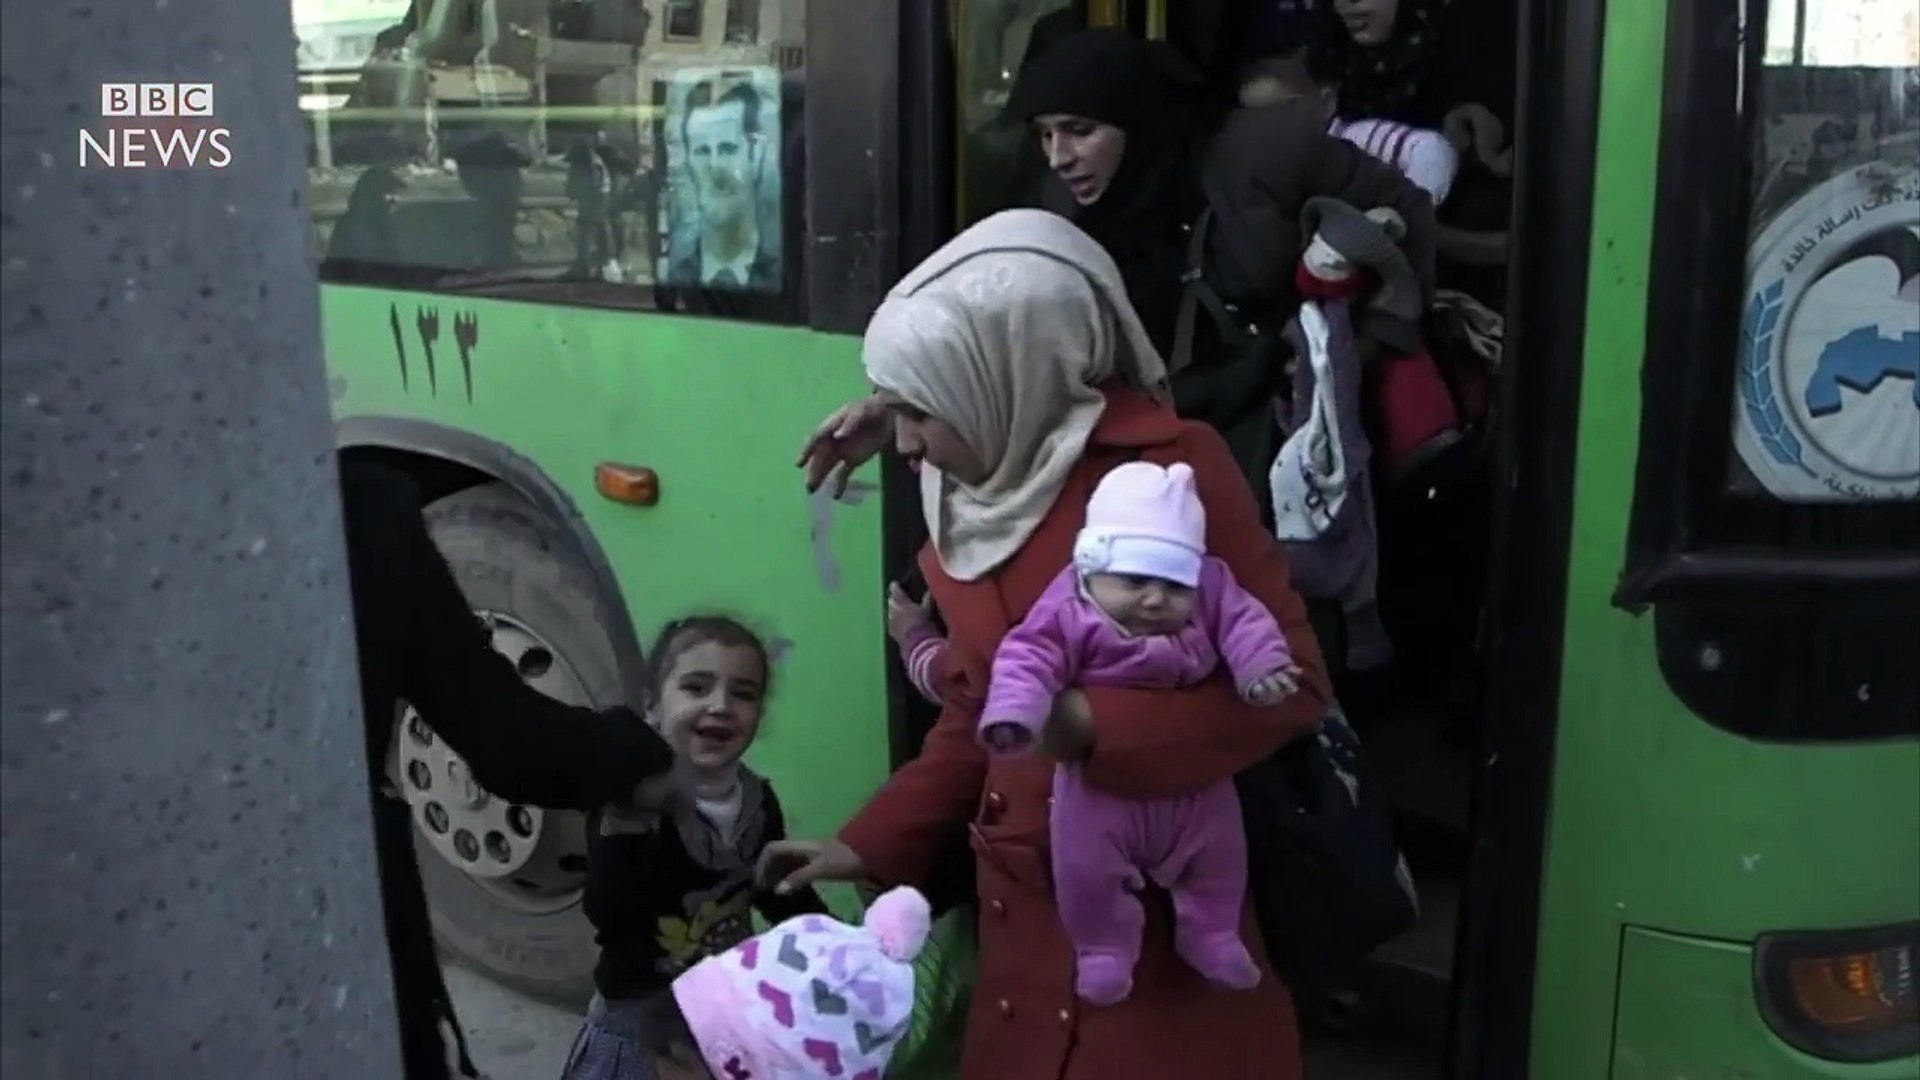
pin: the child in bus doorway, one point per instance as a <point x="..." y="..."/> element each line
<point x="1140" y="605"/>
<point x="670" y="876"/>
<point x="1426" y="156"/>
<point x="812" y="997"/>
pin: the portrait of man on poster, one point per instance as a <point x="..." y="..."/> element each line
<point x="724" y="229"/>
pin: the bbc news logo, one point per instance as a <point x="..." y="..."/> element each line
<point x="156" y="126"/>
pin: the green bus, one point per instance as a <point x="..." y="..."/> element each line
<point x="592" y="270"/>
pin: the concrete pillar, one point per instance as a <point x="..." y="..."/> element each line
<point x="189" y="882"/>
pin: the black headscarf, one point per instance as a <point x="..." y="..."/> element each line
<point x="1148" y="90"/>
<point x="1388" y="81"/>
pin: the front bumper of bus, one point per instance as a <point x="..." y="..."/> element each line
<point x="1698" y="1007"/>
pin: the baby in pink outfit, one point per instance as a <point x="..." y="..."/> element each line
<point x="1142" y="605"/>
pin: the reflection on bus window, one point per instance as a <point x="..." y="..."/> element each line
<point x="743" y="22"/>
<point x="683" y="20"/>
<point x="1827" y="402"/>
<point x="471" y="141"/>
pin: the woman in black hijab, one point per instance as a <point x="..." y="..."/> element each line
<point x="1118" y="120"/>
<point x="1383" y="55"/>
<point x="1121" y="123"/>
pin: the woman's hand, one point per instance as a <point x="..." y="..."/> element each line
<point x="1068" y="734"/>
<point x="658" y="791"/>
<point x="791" y="865"/>
<point x="1475" y="132"/>
<point x="847" y="439"/>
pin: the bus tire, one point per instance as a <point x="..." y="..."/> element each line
<point x="522" y="572"/>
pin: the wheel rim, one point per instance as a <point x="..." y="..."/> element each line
<point x="528" y="858"/>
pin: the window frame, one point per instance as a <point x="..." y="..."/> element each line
<point x="670" y="7"/>
<point x="1688" y="532"/>
<point x="742" y="14"/>
<point x="1754" y="600"/>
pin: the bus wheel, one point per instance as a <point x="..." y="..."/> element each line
<point x="504" y="880"/>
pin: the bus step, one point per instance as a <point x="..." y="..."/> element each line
<point x="1426" y="776"/>
<point x="1408" y="983"/>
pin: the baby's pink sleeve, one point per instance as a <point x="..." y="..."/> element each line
<point x="1246" y="633"/>
<point x="1032" y="666"/>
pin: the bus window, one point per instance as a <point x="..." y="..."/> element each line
<point x="632" y="152"/>
<point x="1827" y="406"/>
<point x="1775" y="531"/>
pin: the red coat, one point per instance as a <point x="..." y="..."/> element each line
<point x="1026" y="1023"/>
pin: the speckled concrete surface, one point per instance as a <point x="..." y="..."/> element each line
<point x="511" y="1036"/>
<point x="190" y="887"/>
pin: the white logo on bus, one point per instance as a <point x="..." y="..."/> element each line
<point x="1828" y="393"/>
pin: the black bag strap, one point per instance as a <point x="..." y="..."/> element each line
<point x="1195" y="294"/>
<point x="1191" y="284"/>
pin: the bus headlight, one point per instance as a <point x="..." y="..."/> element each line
<point x="1847" y="995"/>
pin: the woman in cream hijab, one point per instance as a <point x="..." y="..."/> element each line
<point x="1012" y="369"/>
<point x="988" y="355"/>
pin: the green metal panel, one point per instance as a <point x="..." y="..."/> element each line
<point x="718" y="409"/>
<point x="1656" y="818"/>
<point x="1686" y="1009"/>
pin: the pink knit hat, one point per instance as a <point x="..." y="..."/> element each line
<point x="1146" y="520"/>
<point x="812" y="997"/>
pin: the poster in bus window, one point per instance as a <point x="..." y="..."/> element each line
<point x="720" y="210"/>
<point x="1827" y="392"/>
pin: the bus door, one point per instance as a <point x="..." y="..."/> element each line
<point x="1405" y="997"/>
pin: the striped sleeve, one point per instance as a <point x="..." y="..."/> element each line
<point x="927" y="665"/>
<point x="1426" y="157"/>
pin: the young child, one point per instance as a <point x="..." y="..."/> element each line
<point x="1142" y="605"/>
<point x="1427" y="157"/>
<point x="670" y="878"/>
<point x="812" y="997"/>
<point x="922" y="648"/>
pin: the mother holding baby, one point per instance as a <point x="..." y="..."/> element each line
<point x="1012" y="368"/>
